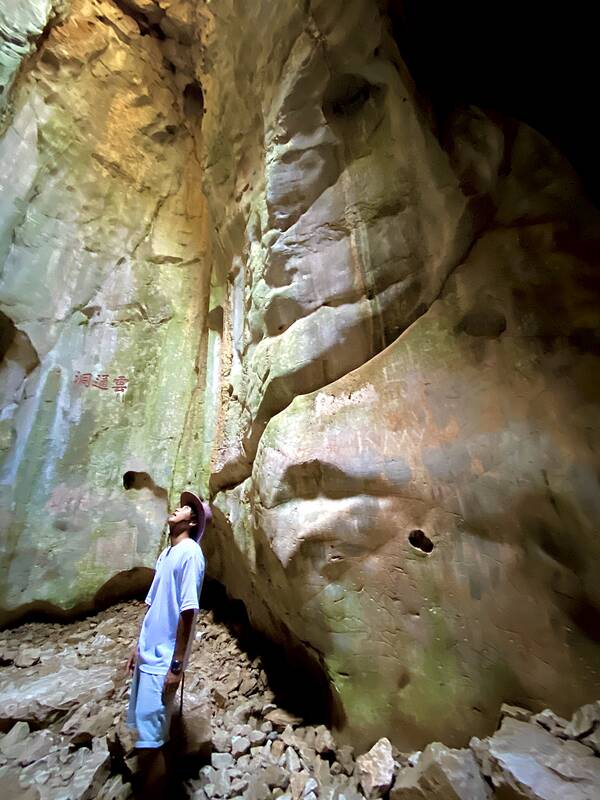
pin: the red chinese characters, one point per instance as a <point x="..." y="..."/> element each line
<point x="83" y="378"/>
<point x="120" y="384"/>
<point x="101" y="381"/>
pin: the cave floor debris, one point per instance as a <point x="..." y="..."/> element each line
<point x="63" y="699"/>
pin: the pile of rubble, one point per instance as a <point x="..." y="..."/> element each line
<point x="63" y="698"/>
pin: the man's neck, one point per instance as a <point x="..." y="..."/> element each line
<point x="178" y="536"/>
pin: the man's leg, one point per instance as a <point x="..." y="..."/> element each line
<point x="153" y="769"/>
<point x="152" y="722"/>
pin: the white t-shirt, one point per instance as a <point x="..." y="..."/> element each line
<point x="175" y="588"/>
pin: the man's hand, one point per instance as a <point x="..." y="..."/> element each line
<point x="170" y="687"/>
<point x="131" y="661"/>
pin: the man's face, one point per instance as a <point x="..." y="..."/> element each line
<point x="181" y="514"/>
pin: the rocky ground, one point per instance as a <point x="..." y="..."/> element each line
<point x="63" y="697"/>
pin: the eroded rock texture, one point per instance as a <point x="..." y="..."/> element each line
<point x="404" y="326"/>
<point x="389" y="388"/>
<point x="101" y="246"/>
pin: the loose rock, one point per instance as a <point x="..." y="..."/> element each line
<point x="527" y="760"/>
<point x="441" y="774"/>
<point x="376" y="768"/>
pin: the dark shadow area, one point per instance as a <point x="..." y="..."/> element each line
<point x="193" y="101"/>
<point x="532" y="61"/>
<point x="298" y="680"/>
<point x="487" y="324"/>
<point x="7" y="334"/>
<point x="346" y="95"/>
<point x="215" y="319"/>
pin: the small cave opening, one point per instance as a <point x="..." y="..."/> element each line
<point x="487" y="324"/>
<point x="7" y="334"/>
<point x="141" y="480"/>
<point x="420" y="541"/>
<point x="193" y="101"/>
<point x="346" y="95"/>
<point x="216" y="319"/>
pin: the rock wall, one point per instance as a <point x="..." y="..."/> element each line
<point x="405" y="356"/>
<point x="102" y="247"/>
<point x="371" y="337"/>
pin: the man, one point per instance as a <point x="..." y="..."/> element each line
<point x="160" y="656"/>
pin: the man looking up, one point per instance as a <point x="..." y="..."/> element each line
<point x="161" y="653"/>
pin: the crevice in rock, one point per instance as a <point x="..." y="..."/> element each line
<point x="7" y="334"/>
<point x="193" y="100"/>
<point x="18" y="359"/>
<point x="148" y="24"/>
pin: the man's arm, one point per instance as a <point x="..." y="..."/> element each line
<point x="184" y="631"/>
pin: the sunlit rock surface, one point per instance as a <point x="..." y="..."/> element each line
<point x="101" y="246"/>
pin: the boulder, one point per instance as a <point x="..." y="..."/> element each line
<point x="14" y="739"/>
<point x="441" y="774"/>
<point x="88" y="722"/>
<point x="41" y="699"/>
<point x="33" y="747"/>
<point x="525" y="761"/>
<point x="27" y="656"/>
<point x="584" y="720"/>
<point x="376" y="769"/>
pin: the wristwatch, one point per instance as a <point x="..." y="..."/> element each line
<point x="176" y="666"/>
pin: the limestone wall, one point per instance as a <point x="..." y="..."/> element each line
<point x="406" y="432"/>
<point x="102" y="248"/>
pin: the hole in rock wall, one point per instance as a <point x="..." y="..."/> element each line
<point x="17" y="360"/>
<point x="193" y="101"/>
<point x="141" y="480"/>
<point x="7" y="334"/>
<point x="346" y="95"/>
<point x="420" y="541"/>
<point x="487" y="324"/>
<point x="215" y="319"/>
